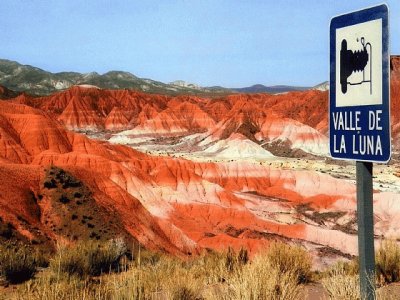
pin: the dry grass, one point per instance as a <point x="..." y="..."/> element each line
<point x="287" y="258"/>
<point x="211" y="276"/>
<point x="387" y="260"/>
<point x="18" y="263"/>
<point x="87" y="271"/>
<point x="88" y="258"/>
<point x="341" y="285"/>
<point x="343" y="278"/>
<point x="261" y="280"/>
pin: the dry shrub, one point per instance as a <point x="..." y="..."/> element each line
<point x="230" y="260"/>
<point x="350" y="268"/>
<point x="341" y="285"/>
<point x="179" y="279"/>
<point x="106" y="257"/>
<point x="387" y="261"/>
<point x="18" y="263"/>
<point x="136" y="284"/>
<point x="211" y="267"/>
<point x="294" y="259"/>
<point x="164" y="277"/>
<point x="215" y="267"/>
<point x="243" y="256"/>
<point x="48" y="287"/>
<point x="261" y="280"/>
<point x="147" y="258"/>
<point x="69" y="261"/>
<point x="234" y="261"/>
<point x="183" y="286"/>
<point x="184" y="293"/>
<point x="89" y="258"/>
<point x="168" y="278"/>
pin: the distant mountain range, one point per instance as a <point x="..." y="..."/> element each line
<point x="276" y="89"/>
<point x="323" y="86"/>
<point x="18" y="77"/>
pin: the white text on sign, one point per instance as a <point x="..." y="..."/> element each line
<point x="360" y="143"/>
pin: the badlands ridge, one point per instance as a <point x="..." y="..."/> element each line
<point x="184" y="174"/>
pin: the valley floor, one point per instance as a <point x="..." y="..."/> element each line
<point x="318" y="193"/>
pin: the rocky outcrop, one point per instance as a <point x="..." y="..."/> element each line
<point x="232" y="191"/>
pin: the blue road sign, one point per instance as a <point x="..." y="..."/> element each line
<point x="359" y="97"/>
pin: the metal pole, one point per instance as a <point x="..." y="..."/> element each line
<point x="365" y="216"/>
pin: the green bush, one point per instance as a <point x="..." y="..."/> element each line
<point x="17" y="263"/>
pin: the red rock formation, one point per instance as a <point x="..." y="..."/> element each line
<point x="395" y="100"/>
<point x="395" y="67"/>
<point x="36" y="149"/>
<point x="81" y="109"/>
<point x="116" y="120"/>
<point x="80" y="115"/>
<point x="172" y="204"/>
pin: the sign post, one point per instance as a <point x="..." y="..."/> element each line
<point x="359" y="113"/>
<point x="365" y="218"/>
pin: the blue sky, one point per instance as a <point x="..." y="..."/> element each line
<point x="209" y="42"/>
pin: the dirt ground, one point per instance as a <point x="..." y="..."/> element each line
<point x="314" y="291"/>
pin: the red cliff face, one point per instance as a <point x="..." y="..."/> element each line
<point x="31" y="144"/>
<point x="395" y="99"/>
<point x="95" y="106"/>
<point x="164" y="203"/>
<point x="51" y="177"/>
<point x="291" y="119"/>
<point x="395" y="67"/>
<point x="83" y="108"/>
